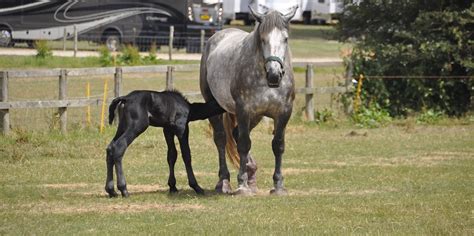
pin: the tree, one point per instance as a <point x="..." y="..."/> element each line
<point x="413" y="38"/>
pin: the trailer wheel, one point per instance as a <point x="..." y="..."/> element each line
<point x="6" y="39"/>
<point x="112" y="40"/>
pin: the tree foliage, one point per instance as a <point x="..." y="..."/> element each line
<point x="413" y="39"/>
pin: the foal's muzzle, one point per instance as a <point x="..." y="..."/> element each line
<point x="274" y="73"/>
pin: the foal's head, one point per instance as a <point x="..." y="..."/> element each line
<point x="272" y="36"/>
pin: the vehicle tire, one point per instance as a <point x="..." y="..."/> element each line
<point x="6" y="39"/>
<point x="112" y="40"/>
<point x="307" y="18"/>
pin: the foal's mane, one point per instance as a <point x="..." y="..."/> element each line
<point x="174" y="92"/>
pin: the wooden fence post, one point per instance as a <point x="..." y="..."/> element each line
<point x="169" y="78"/>
<point x="62" y="96"/>
<point x="349" y="86"/>
<point x="203" y="38"/>
<point x="118" y="82"/>
<point x="75" y="40"/>
<point x="64" y="38"/>
<point x="5" y="113"/>
<point x="309" y="93"/>
<point x="170" y="43"/>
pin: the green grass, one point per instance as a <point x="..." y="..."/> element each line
<point x="392" y="180"/>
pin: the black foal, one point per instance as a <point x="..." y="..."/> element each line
<point x="169" y="110"/>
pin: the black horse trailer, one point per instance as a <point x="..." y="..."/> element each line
<point x="111" y="22"/>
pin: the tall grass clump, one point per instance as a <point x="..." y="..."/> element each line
<point x="43" y="50"/>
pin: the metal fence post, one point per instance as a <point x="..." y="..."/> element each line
<point x="62" y="96"/>
<point x="170" y="43"/>
<point x="309" y="93"/>
<point x="4" y="113"/>
<point x="169" y="78"/>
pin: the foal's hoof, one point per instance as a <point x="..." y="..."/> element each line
<point x="199" y="190"/>
<point x="279" y="192"/>
<point x="173" y="190"/>
<point x="244" y="191"/>
<point x="112" y="194"/>
<point x="125" y="194"/>
<point x="223" y="186"/>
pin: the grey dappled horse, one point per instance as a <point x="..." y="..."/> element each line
<point x="250" y="75"/>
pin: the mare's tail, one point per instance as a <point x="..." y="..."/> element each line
<point x="230" y="122"/>
<point x="201" y="111"/>
<point x="112" y="108"/>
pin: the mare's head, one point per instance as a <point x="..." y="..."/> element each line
<point x="272" y="38"/>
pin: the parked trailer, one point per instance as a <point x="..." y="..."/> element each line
<point x="109" y="21"/>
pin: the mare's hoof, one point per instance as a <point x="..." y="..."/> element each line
<point x="223" y="186"/>
<point x="279" y="192"/>
<point x="244" y="191"/>
<point x="253" y="186"/>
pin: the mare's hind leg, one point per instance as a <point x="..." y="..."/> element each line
<point x="186" y="153"/>
<point x="223" y="186"/>
<point x="171" y="157"/>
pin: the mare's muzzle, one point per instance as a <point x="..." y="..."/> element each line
<point x="274" y="75"/>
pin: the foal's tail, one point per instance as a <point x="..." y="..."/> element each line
<point x="230" y="123"/>
<point x="112" y="108"/>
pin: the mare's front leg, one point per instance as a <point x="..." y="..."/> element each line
<point x="171" y="157"/>
<point x="278" y="146"/>
<point x="186" y="153"/>
<point x="223" y="185"/>
<point x="243" y="147"/>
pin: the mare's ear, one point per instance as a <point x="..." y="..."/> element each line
<point x="258" y="16"/>
<point x="291" y="12"/>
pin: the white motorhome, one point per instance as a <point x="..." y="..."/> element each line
<point x="238" y="9"/>
<point x="325" y="11"/>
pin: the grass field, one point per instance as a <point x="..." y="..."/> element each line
<point x="401" y="179"/>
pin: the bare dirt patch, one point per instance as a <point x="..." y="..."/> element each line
<point x="296" y="171"/>
<point x="362" y="192"/>
<point x="54" y="208"/>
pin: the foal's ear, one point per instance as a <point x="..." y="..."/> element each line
<point x="258" y="16"/>
<point x="291" y="12"/>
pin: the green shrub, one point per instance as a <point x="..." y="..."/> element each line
<point x="324" y="116"/>
<point x="429" y="117"/>
<point x="105" y="57"/>
<point x="130" y="56"/>
<point x="371" y="117"/>
<point x="408" y="39"/>
<point x="151" y="58"/>
<point x="43" y="50"/>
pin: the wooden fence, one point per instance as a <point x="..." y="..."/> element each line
<point x="63" y="103"/>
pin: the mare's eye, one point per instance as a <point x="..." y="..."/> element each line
<point x="286" y="40"/>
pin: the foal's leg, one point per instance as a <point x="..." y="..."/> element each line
<point x="223" y="185"/>
<point x="118" y="148"/>
<point x="172" y="156"/>
<point x="278" y="146"/>
<point x="186" y="153"/>
<point x="109" y="183"/>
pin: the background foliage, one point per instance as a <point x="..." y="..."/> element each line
<point x="412" y="38"/>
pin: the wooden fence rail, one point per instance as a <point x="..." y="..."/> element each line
<point x="63" y="103"/>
